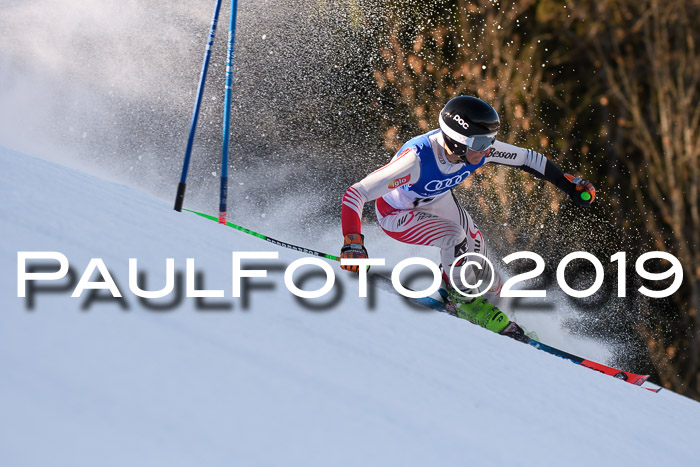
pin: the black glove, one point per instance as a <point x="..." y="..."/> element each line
<point x="581" y="191"/>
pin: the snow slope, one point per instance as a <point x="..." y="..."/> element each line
<point x="274" y="383"/>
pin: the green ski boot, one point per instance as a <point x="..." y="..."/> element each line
<point x="479" y="311"/>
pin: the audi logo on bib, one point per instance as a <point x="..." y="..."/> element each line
<point x="446" y="184"/>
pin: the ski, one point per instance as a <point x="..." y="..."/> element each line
<point x="627" y="376"/>
<point x="384" y="283"/>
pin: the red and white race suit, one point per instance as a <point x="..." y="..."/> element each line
<point x="408" y="212"/>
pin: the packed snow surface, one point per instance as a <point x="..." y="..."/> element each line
<point x="266" y="380"/>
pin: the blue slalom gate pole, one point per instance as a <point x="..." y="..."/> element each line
<point x="180" y="197"/>
<point x="227" y="113"/>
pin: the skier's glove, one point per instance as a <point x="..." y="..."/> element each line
<point x="581" y="192"/>
<point x="353" y="247"/>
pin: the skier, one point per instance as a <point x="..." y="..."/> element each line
<point x="415" y="203"/>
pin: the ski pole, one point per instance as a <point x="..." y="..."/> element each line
<point x="270" y="239"/>
<point x="227" y="113"/>
<point x="180" y="197"/>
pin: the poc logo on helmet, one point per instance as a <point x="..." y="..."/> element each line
<point x="461" y="121"/>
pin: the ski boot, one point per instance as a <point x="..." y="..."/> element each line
<point x="514" y="331"/>
<point x="479" y="311"/>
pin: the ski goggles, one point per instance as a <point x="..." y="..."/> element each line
<point x="478" y="143"/>
<point x="460" y="144"/>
